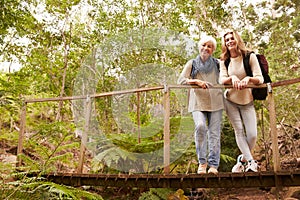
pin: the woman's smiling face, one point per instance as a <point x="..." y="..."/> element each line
<point x="230" y="42"/>
<point x="206" y="49"/>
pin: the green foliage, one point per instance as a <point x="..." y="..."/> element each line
<point x="226" y="162"/>
<point x="187" y="162"/>
<point x="229" y="148"/>
<point x="117" y="150"/>
<point x="13" y="16"/>
<point x="156" y="194"/>
<point x="6" y="169"/>
<point x="50" y="149"/>
<point x="38" y="188"/>
<point x="57" y="46"/>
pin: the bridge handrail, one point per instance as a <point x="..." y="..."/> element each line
<point x="145" y="89"/>
<point x="166" y="89"/>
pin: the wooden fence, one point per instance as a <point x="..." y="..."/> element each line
<point x="166" y="89"/>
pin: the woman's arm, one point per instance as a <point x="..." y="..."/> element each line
<point x="225" y="78"/>
<point x="185" y="77"/>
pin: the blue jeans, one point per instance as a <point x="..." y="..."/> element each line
<point x="207" y="137"/>
<point x="243" y="120"/>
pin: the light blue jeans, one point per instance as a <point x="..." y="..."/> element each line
<point x="243" y="120"/>
<point x="207" y="137"/>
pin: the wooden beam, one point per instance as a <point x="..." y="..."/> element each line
<point x="166" y="130"/>
<point x="88" y="106"/>
<point x="285" y="82"/>
<point x="216" y="86"/>
<point x="273" y="132"/>
<point x="138" y="117"/>
<point x="104" y="94"/>
<point x="21" y="134"/>
<point x="222" y="180"/>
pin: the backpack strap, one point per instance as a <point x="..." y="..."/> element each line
<point x="193" y="74"/>
<point x="226" y="62"/>
<point x="246" y="61"/>
<point x="217" y="63"/>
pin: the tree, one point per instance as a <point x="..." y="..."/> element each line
<point x="61" y="41"/>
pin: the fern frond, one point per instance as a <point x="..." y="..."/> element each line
<point x="37" y="187"/>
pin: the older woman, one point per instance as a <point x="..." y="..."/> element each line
<point x="206" y="105"/>
<point x="239" y="100"/>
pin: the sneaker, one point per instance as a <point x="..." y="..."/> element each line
<point x="252" y="166"/>
<point x="239" y="166"/>
<point x="202" y="168"/>
<point x="213" y="170"/>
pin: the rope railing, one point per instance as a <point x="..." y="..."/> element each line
<point x="166" y="99"/>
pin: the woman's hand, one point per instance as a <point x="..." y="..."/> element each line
<point x="240" y="84"/>
<point x="244" y="82"/>
<point x="235" y="81"/>
<point x="202" y="84"/>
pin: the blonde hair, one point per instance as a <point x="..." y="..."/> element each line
<point x="241" y="47"/>
<point x="206" y="39"/>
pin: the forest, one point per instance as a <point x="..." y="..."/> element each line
<point x="55" y="51"/>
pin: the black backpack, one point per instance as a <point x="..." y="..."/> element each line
<point x="258" y="93"/>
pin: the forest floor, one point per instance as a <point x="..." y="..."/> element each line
<point x="292" y="193"/>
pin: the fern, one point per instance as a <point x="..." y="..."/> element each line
<point x="50" y="147"/>
<point x="156" y="194"/>
<point x="38" y="188"/>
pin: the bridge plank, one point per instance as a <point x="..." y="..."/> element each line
<point x="222" y="180"/>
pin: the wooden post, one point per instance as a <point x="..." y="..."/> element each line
<point x="166" y="130"/>
<point x="274" y="136"/>
<point x="21" y="134"/>
<point x="138" y="117"/>
<point x="87" y="113"/>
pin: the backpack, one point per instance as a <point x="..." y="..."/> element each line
<point x="257" y="93"/>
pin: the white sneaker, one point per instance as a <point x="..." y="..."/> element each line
<point x="252" y="166"/>
<point x="239" y="166"/>
<point x="202" y="168"/>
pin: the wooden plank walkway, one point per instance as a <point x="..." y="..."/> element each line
<point x="222" y="180"/>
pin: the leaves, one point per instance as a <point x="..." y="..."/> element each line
<point x="50" y="148"/>
<point x="37" y="188"/>
<point x="146" y="42"/>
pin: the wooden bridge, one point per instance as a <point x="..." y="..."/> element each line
<point x="222" y="180"/>
<point x="277" y="178"/>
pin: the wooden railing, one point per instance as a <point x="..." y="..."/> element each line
<point x="166" y="89"/>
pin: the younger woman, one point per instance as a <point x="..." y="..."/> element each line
<point x="239" y="100"/>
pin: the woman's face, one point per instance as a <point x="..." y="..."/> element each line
<point x="230" y="42"/>
<point x="206" y="49"/>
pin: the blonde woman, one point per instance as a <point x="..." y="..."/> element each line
<point x="206" y="105"/>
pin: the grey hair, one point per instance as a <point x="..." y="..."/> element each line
<point x="206" y="39"/>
